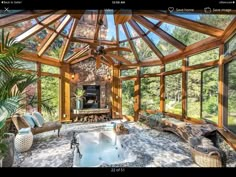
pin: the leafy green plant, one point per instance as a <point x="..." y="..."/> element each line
<point x="79" y="93"/>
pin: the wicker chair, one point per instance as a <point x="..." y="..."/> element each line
<point x="19" y="123"/>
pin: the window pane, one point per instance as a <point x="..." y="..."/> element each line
<point x="173" y="93"/>
<point x="230" y="92"/>
<point x="194" y="93"/>
<point x="50" y="69"/>
<point x="204" y="57"/>
<point x="27" y="65"/>
<point x="129" y="72"/>
<point x="210" y="95"/>
<point x="185" y="36"/>
<point x="128" y="98"/>
<point x="122" y="35"/>
<point x="50" y="98"/>
<point x="150" y="93"/>
<point x="173" y="65"/>
<point x="230" y="46"/>
<point x="131" y="31"/>
<point x="127" y="55"/>
<point x="150" y="70"/>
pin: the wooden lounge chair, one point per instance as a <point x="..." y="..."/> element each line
<point x="19" y="123"/>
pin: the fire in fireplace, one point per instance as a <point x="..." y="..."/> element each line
<point x="92" y="96"/>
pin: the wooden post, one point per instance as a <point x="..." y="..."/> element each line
<point x="184" y="88"/>
<point x="115" y="93"/>
<point x="162" y="89"/>
<point x="65" y="112"/>
<point x="221" y="87"/>
<point x="137" y="95"/>
<point x="39" y="88"/>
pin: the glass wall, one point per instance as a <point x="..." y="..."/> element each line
<point x="173" y="93"/>
<point x="150" y="93"/>
<point x="230" y="96"/>
<point x="128" y="72"/>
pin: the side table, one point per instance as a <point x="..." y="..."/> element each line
<point x="23" y="142"/>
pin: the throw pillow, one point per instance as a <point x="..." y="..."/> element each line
<point x="29" y="120"/>
<point x="38" y="119"/>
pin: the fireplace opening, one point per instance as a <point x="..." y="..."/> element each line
<point x="92" y="96"/>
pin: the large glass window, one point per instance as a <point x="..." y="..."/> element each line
<point x="50" y="69"/>
<point x="230" y="96"/>
<point x="209" y="101"/>
<point x="128" y="72"/>
<point x="204" y="57"/>
<point x="50" y="98"/>
<point x="230" y="46"/>
<point x="150" y="93"/>
<point x="173" y="93"/>
<point x="128" y="97"/>
<point x="173" y="65"/>
<point x="150" y="69"/>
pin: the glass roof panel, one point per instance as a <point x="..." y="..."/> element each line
<point x="4" y="13"/>
<point x="132" y="32"/>
<point x="185" y="36"/>
<point x="127" y="55"/>
<point x="66" y="30"/>
<point x="87" y="25"/>
<point x="122" y="35"/>
<point x="41" y="18"/>
<point x="216" y="20"/>
<point x="165" y="47"/>
<point x="144" y="52"/>
<point x="110" y="28"/>
<point x="154" y="21"/>
<point x="56" y="23"/>
<point x="55" y="48"/>
<point x="145" y="30"/>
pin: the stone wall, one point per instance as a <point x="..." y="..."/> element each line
<point x="87" y="74"/>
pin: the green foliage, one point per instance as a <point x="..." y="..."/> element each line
<point x="79" y="93"/>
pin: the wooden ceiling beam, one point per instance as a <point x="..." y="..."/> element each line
<point x="77" y="54"/>
<point x="29" y="56"/>
<point x="229" y="30"/>
<point x="165" y="36"/>
<point x="131" y="43"/>
<point x="54" y="35"/>
<point x="100" y="16"/>
<point x="182" y="22"/>
<point x="67" y="40"/>
<point x="109" y="59"/>
<point x="93" y="42"/>
<point x="146" y="39"/>
<point x="119" y="58"/>
<point x="22" y="16"/>
<point x="105" y="62"/>
<point x="81" y="59"/>
<point x="35" y="29"/>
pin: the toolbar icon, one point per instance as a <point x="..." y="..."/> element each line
<point x="207" y="10"/>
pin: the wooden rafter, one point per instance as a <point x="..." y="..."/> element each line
<point x="22" y="16"/>
<point x="67" y="41"/>
<point x="105" y="62"/>
<point x="100" y="16"/>
<point x="229" y="30"/>
<point x="146" y="39"/>
<point x="98" y="61"/>
<point x="159" y="32"/>
<point x="54" y="35"/>
<point x="182" y="22"/>
<point x="35" y="29"/>
<point x="109" y="59"/>
<point x="111" y="49"/>
<point x="81" y="59"/>
<point x="93" y="42"/>
<point x="131" y="43"/>
<point x="77" y="54"/>
<point x="119" y="58"/>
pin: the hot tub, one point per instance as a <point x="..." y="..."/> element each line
<point x="99" y="148"/>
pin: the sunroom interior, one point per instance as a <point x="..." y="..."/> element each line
<point x="131" y="63"/>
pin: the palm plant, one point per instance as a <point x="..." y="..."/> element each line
<point x="12" y="81"/>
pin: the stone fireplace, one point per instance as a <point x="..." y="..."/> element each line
<point x="94" y="81"/>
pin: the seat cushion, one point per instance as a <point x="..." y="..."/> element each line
<point x="48" y="126"/>
<point x="29" y="120"/>
<point x="38" y="119"/>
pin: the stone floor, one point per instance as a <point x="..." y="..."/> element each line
<point x="151" y="147"/>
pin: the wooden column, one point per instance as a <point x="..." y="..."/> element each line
<point x="184" y="88"/>
<point x="162" y="89"/>
<point x="65" y="93"/>
<point x="137" y="95"/>
<point x="115" y="92"/>
<point x="39" y="88"/>
<point x="221" y="87"/>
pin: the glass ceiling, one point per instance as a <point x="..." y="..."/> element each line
<point x="58" y="29"/>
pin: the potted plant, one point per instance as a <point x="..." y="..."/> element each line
<point x="12" y="85"/>
<point x="79" y="95"/>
